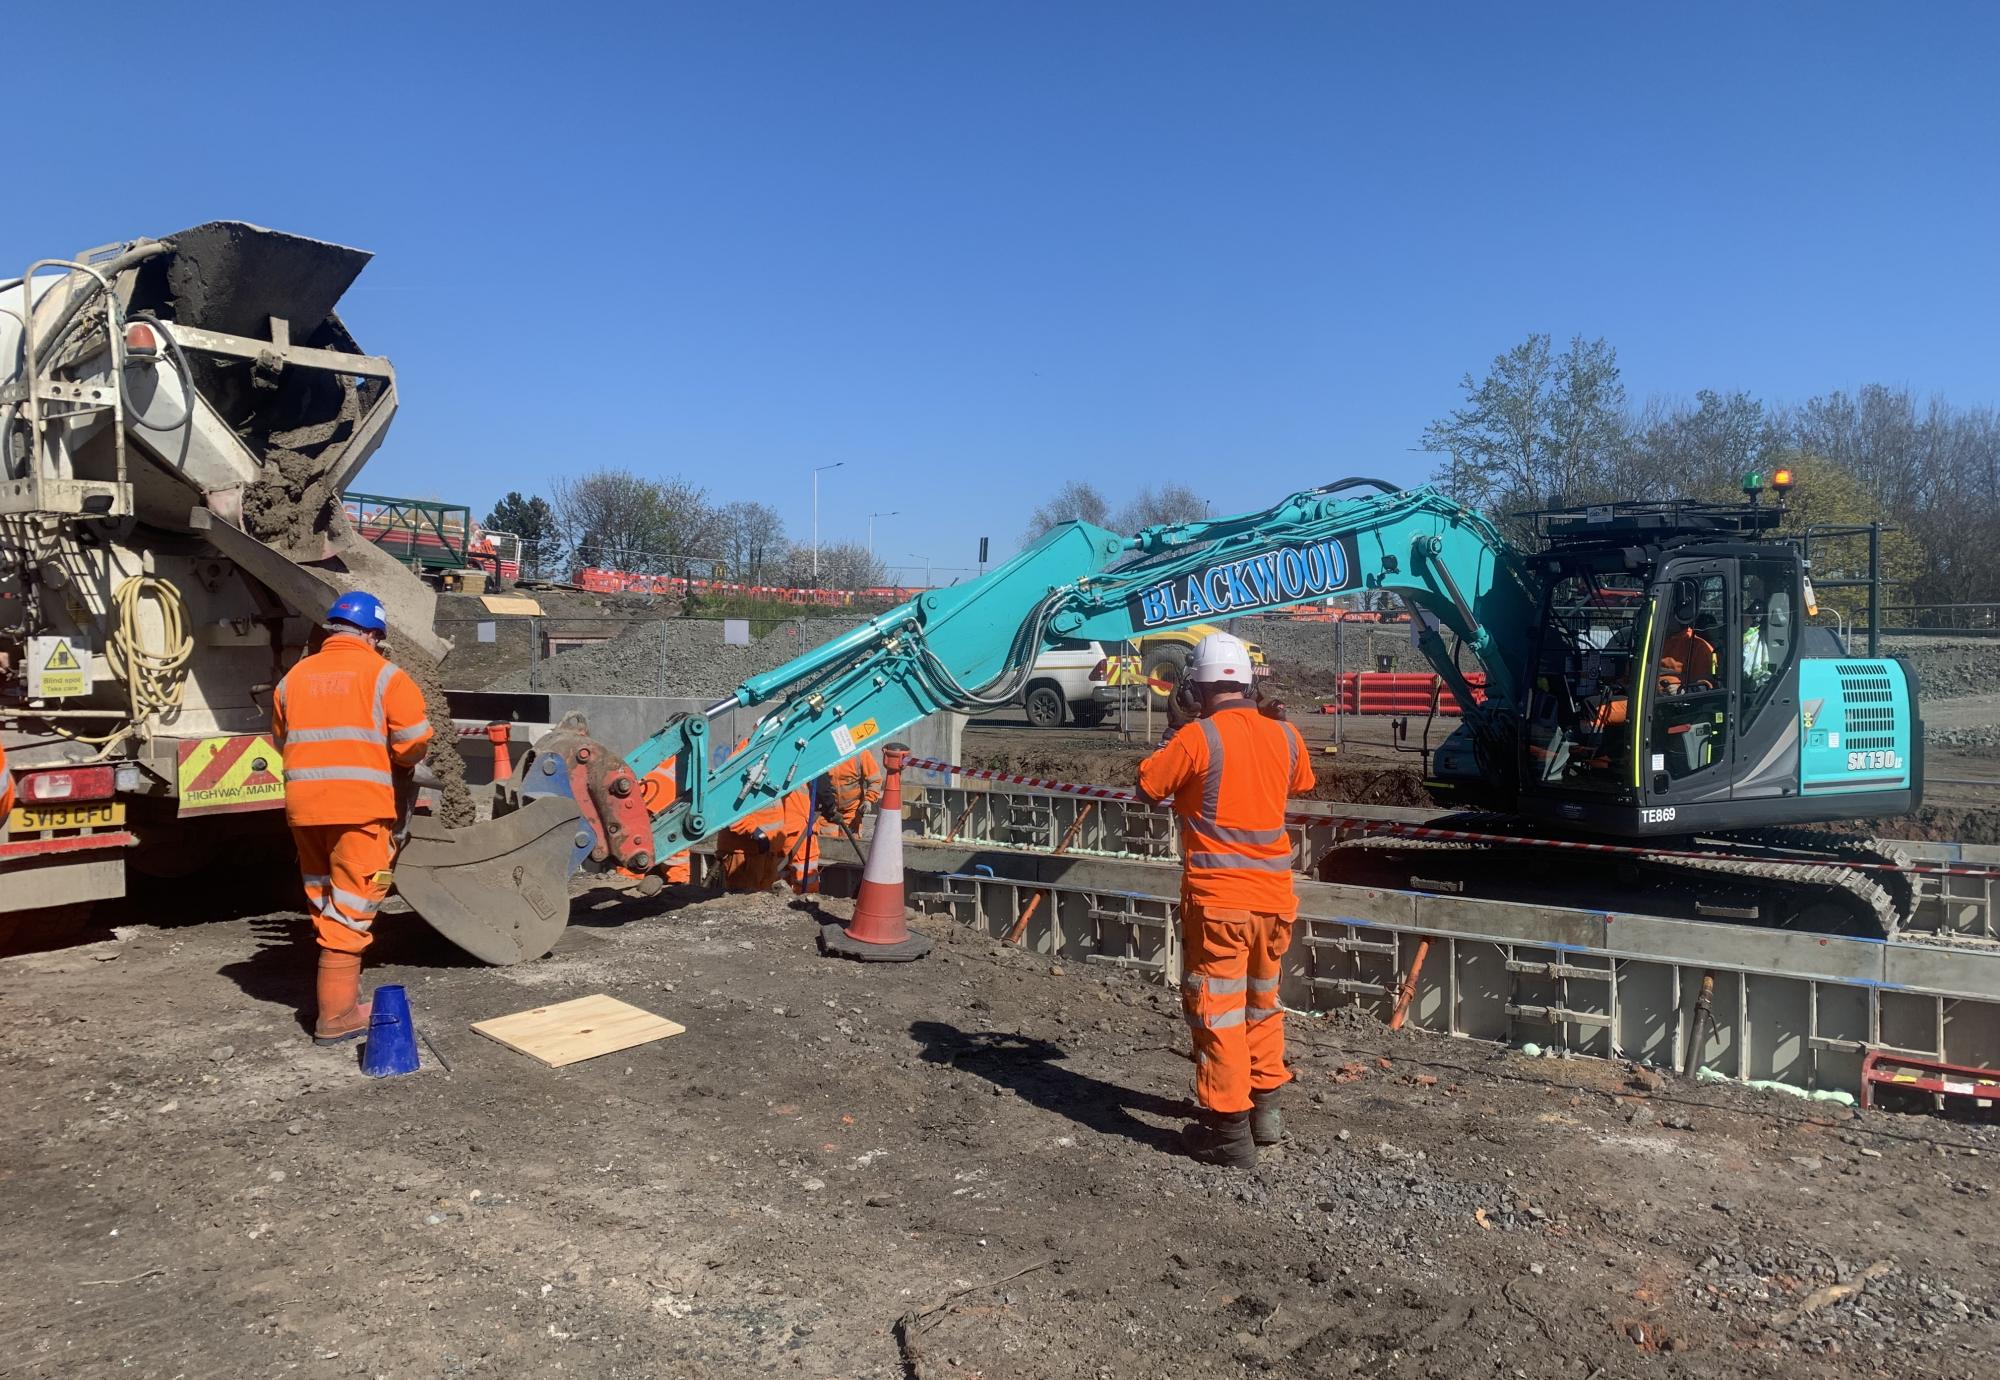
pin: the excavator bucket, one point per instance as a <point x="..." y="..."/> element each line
<point x="500" y="889"/>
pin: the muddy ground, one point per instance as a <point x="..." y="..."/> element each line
<point x="972" y="1152"/>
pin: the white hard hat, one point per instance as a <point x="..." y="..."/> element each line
<point x="1219" y="657"/>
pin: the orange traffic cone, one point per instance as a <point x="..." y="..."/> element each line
<point x="880" y="931"/>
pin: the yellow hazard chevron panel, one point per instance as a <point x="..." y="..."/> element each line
<point x="222" y="775"/>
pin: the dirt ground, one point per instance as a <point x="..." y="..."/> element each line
<point x="959" y="1167"/>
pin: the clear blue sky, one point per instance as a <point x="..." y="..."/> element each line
<point x="974" y="250"/>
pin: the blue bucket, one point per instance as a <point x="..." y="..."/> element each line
<point x="392" y="1040"/>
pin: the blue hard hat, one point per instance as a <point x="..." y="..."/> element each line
<point x="360" y="608"/>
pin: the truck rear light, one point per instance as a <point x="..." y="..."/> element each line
<point x="141" y="340"/>
<point x="68" y="783"/>
<point x="1102" y="670"/>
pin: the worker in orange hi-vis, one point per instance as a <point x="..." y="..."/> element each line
<point x="846" y="792"/>
<point x="660" y="790"/>
<point x="352" y="728"/>
<point x="841" y="799"/>
<point x="1228" y="775"/>
<point x="753" y="850"/>
<point x="6" y="790"/>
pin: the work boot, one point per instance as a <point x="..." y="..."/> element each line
<point x="342" y="1014"/>
<point x="1267" y="1123"/>
<point x="1221" y="1138"/>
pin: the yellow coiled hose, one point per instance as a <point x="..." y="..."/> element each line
<point x="155" y="677"/>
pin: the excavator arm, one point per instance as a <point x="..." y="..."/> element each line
<point x="972" y="647"/>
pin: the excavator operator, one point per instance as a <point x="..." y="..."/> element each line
<point x="349" y="723"/>
<point x="1228" y="775"/>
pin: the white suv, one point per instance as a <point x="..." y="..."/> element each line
<point x="1068" y="683"/>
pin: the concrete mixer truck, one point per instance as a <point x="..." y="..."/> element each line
<point x="178" y="417"/>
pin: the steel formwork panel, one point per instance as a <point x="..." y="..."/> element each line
<point x="1021" y="817"/>
<point x="1796" y="1008"/>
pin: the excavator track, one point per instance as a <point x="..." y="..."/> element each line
<point x="1776" y="878"/>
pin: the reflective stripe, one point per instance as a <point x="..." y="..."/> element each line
<point x="1240" y="863"/>
<point x="1223" y="987"/>
<point x="1292" y="754"/>
<point x="368" y="774"/>
<point x="1264" y="1013"/>
<point x="360" y="904"/>
<point x="1269" y="984"/>
<point x="1223" y="833"/>
<point x="318" y="879"/>
<point x="1211" y="782"/>
<point x="404" y="735"/>
<point x="332" y="735"/>
<point x="1223" y="1020"/>
<point x="359" y="926"/>
<point x="382" y="679"/>
<point x="278" y="697"/>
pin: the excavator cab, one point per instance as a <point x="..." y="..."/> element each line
<point x="1673" y="689"/>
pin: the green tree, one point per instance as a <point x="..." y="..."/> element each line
<point x="1539" y="429"/>
<point x="533" y="522"/>
<point x="1826" y="492"/>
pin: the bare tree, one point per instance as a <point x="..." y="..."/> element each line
<point x="1540" y="428"/>
<point x="1150" y="507"/>
<point x="1703" y="450"/>
<point x="751" y="538"/>
<point x="846" y="565"/>
<point x="622" y="520"/>
<point x="1076" y="501"/>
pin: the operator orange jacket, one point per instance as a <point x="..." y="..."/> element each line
<point x="343" y="717"/>
<point x="1228" y="777"/>
<point x="6" y="789"/>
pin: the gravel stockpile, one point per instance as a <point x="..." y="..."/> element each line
<point x="675" y="657"/>
<point x="1946" y="668"/>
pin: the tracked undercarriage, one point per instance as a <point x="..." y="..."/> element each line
<point x="1794" y="879"/>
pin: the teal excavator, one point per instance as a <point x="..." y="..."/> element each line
<point x="1648" y="676"/>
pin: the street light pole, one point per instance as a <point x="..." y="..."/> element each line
<point x="871" y="531"/>
<point x="927" y="568"/>
<point x="834" y="466"/>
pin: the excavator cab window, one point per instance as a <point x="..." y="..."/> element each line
<point x="1579" y="735"/>
<point x="1690" y="718"/>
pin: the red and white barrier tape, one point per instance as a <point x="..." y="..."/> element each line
<point x="1361" y="825"/>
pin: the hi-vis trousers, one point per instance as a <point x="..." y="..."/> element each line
<point x="1229" y="993"/>
<point x="345" y="868"/>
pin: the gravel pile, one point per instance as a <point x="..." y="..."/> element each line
<point x="1819" y="1302"/>
<point x="1946" y="668"/>
<point x="677" y="657"/>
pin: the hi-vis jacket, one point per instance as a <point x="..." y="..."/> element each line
<point x="850" y="788"/>
<point x="342" y="717"/>
<point x="1228" y="777"/>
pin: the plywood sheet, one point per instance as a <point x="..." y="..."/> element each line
<point x="581" y="1029"/>
<point x="510" y="604"/>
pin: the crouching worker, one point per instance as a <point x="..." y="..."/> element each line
<point x="1228" y="775"/>
<point x="352" y="727"/>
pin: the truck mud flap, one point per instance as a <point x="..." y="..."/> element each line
<point x="500" y="889"/>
